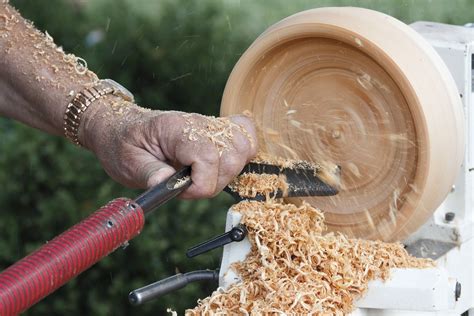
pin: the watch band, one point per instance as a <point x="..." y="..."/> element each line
<point x="81" y="102"/>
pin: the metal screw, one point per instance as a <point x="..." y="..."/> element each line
<point x="238" y="233"/>
<point x="457" y="291"/>
<point x="449" y="216"/>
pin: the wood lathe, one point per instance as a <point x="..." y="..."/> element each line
<point x="392" y="105"/>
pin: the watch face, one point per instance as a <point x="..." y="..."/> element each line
<point x="120" y="90"/>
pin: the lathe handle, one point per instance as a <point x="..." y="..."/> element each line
<point x="61" y="259"/>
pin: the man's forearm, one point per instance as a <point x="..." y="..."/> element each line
<point x="37" y="79"/>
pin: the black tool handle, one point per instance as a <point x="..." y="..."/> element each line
<point x="237" y="233"/>
<point x="165" y="190"/>
<point x="171" y="284"/>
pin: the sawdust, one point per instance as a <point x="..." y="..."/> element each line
<point x="180" y="182"/>
<point x="327" y="171"/>
<point x="365" y="81"/>
<point x="248" y="113"/>
<point x="353" y="169"/>
<point x="299" y="126"/>
<point x="4" y="23"/>
<point x="368" y="216"/>
<point x="37" y="57"/>
<point x="249" y="185"/>
<point x="284" y="162"/>
<point x="294" y="268"/>
<point x="219" y="130"/>
<point x="126" y="110"/>
<point x="271" y="132"/>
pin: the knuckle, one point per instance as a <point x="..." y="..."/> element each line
<point x="246" y="140"/>
<point x="240" y="119"/>
<point x="253" y="149"/>
<point x="209" y="155"/>
<point x="242" y="145"/>
<point x="232" y="165"/>
<point x="171" y="119"/>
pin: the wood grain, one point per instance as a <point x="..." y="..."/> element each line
<point x="360" y="89"/>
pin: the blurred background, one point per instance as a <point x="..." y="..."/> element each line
<point x="172" y="54"/>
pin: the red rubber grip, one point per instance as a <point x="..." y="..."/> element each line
<point x="58" y="261"/>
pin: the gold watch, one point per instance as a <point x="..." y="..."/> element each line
<point x="81" y="101"/>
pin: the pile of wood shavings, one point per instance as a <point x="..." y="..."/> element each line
<point x="248" y="185"/>
<point x="294" y="268"/>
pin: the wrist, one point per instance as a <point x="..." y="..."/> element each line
<point x="76" y="109"/>
<point x="95" y="120"/>
<point x="106" y="118"/>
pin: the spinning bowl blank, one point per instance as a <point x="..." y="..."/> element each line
<point x="360" y="89"/>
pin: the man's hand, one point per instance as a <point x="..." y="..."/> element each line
<point x="141" y="148"/>
<point x="136" y="147"/>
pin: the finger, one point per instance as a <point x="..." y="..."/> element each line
<point x="147" y="170"/>
<point x="161" y="172"/>
<point x="204" y="161"/>
<point x="244" y="149"/>
<point x="230" y="166"/>
<point x="248" y="131"/>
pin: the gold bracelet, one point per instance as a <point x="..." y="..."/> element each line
<point x="81" y="101"/>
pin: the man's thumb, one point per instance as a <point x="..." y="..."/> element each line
<point x="157" y="172"/>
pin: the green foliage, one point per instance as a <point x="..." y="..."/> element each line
<point x="171" y="55"/>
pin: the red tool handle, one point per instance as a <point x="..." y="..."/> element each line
<point x="48" y="268"/>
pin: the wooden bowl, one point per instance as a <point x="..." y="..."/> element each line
<point x="360" y="89"/>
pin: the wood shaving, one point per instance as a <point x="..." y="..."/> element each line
<point x="364" y="81"/>
<point x="327" y="171"/>
<point x="295" y="123"/>
<point x="79" y="64"/>
<point x="41" y="53"/>
<point x="284" y="162"/>
<point x="295" y="269"/>
<point x="180" y="182"/>
<point x="219" y="130"/>
<point x="248" y="185"/>
<point x="271" y="132"/>
<point x="4" y="23"/>
<point x="299" y="126"/>
<point x="248" y="113"/>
